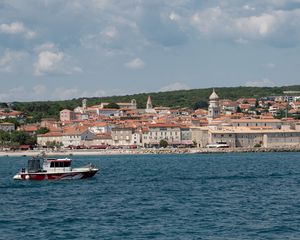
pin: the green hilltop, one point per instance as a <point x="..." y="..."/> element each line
<point x="173" y="99"/>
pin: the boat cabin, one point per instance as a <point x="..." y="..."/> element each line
<point x="53" y="164"/>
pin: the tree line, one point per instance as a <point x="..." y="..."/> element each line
<point x="193" y="98"/>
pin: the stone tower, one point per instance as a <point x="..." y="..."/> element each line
<point x="149" y="106"/>
<point x="149" y="103"/>
<point x="84" y="105"/>
<point x="214" y="107"/>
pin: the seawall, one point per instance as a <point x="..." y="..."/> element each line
<point x="148" y="151"/>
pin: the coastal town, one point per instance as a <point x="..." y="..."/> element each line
<point x="241" y="124"/>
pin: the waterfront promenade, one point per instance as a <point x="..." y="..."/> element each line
<point x="146" y="151"/>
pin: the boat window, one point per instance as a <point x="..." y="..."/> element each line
<point x="60" y="164"/>
<point x="67" y="164"/>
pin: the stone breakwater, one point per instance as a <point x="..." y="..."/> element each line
<point x="149" y="151"/>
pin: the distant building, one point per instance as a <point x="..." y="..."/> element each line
<point x="247" y="137"/>
<point x="44" y="139"/>
<point x="29" y="128"/>
<point x="149" y="106"/>
<point x="129" y="105"/>
<point x="11" y="114"/>
<point x="66" y="115"/>
<point x="125" y="136"/>
<point x="83" y="107"/>
<point x="71" y="136"/>
<point x="7" y="126"/>
<point x="214" y="106"/>
<point x="157" y="132"/>
<point x="100" y="141"/>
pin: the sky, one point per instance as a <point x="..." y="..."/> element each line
<point x="64" y="49"/>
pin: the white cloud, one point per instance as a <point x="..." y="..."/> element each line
<point x="110" y="32"/>
<point x="62" y="93"/>
<point x="174" y="16"/>
<point x="136" y="63"/>
<point x="17" y="28"/>
<point x="39" y="89"/>
<point x="51" y="60"/>
<point x="257" y="26"/>
<point x="13" y="28"/>
<point x="241" y="41"/>
<point x="45" y="46"/>
<point x="9" y="58"/>
<point x="174" y="86"/>
<point x="248" y="7"/>
<point x="265" y="82"/>
<point x="269" y="65"/>
<point x="13" y="94"/>
<point x="41" y="92"/>
<point x="269" y="25"/>
<point x="48" y="62"/>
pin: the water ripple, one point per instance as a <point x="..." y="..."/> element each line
<point x="223" y="196"/>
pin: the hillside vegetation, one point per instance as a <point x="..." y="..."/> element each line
<point x="174" y="99"/>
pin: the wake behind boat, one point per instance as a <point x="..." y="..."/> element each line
<point x="54" y="169"/>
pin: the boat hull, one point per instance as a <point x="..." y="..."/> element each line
<point x="39" y="176"/>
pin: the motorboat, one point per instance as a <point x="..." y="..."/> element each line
<point x="54" y="169"/>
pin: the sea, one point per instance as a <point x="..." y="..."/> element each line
<point x="192" y="196"/>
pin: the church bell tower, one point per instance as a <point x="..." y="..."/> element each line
<point x="214" y="106"/>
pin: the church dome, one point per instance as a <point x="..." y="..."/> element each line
<point x="213" y="96"/>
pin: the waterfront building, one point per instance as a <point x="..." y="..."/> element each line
<point x="125" y="136"/>
<point x="157" y="132"/>
<point x="247" y="136"/>
<point x="253" y="122"/>
<point x="44" y="139"/>
<point x="71" y="136"/>
<point x="76" y="136"/>
<point x="100" y="141"/>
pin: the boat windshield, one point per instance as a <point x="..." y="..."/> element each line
<point x="34" y="165"/>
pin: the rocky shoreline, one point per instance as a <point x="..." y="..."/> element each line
<point x="148" y="151"/>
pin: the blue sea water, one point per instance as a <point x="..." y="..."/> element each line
<point x="214" y="196"/>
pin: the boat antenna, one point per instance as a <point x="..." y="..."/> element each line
<point x="42" y="154"/>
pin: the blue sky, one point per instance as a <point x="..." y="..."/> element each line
<point x="61" y="49"/>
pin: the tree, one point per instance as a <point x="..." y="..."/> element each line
<point x="42" y="130"/>
<point x="238" y="109"/>
<point x="4" y="138"/>
<point x="112" y="105"/>
<point x="7" y="110"/>
<point x="22" y="138"/>
<point x="12" y="120"/>
<point x="163" y="143"/>
<point x="200" y="104"/>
